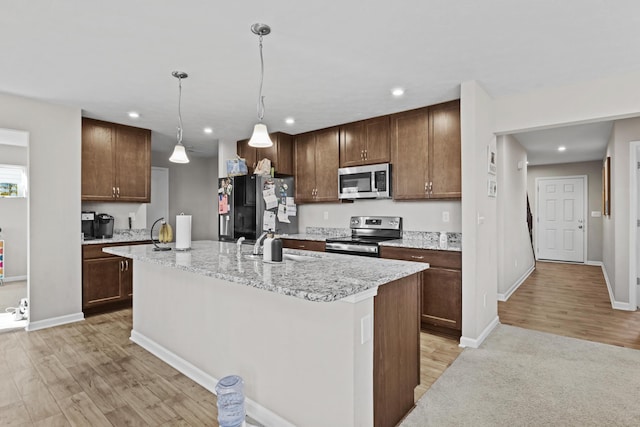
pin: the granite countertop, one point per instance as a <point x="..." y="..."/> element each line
<point x="122" y="236"/>
<point x="314" y="276"/>
<point x="411" y="239"/>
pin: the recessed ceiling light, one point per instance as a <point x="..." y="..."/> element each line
<point x="289" y="120"/>
<point x="134" y="114"/>
<point x="208" y="130"/>
<point x="562" y="148"/>
<point x="397" y="91"/>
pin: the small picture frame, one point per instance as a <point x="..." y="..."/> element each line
<point x="492" y="166"/>
<point x="492" y="187"/>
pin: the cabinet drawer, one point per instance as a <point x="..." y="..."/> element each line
<point x="95" y="251"/>
<point x="445" y="259"/>
<point x="307" y="245"/>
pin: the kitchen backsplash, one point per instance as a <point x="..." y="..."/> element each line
<point x="120" y="213"/>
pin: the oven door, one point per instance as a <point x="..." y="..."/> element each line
<point x="352" y="248"/>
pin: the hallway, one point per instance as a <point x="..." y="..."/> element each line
<point x="570" y="300"/>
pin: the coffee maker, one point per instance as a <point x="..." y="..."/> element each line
<point x="104" y="226"/>
<point x="88" y="224"/>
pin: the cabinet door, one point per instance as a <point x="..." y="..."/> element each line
<point x="126" y="278"/>
<point x="305" y="167"/>
<point x="133" y="164"/>
<point x="101" y="281"/>
<point x="306" y="245"/>
<point x="442" y="297"/>
<point x="98" y="161"/>
<point x="445" y="166"/>
<point x="327" y="163"/>
<point x="247" y="153"/>
<point x="377" y="140"/>
<point x="352" y="144"/>
<point x="409" y="154"/>
<point x="284" y="161"/>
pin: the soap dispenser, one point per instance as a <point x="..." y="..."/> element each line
<point x="267" y="253"/>
<point x="444" y="241"/>
<point x="276" y="250"/>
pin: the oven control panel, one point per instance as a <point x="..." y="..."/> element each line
<point x="377" y="222"/>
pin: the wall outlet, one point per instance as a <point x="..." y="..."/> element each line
<point x="484" y="300"/>
<point x="325" y="215"/>
<point x="445" y="216"/>
<point x="365" y="329"/>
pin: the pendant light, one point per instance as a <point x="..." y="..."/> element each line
<point x="260" y="137"/>
<point x="179" y="152"/>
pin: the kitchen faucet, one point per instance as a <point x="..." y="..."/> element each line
<point x="259" y="240"/>
<point x="239" y="243"/>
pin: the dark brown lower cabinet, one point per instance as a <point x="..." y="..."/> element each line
<point x="396" y="350"/>
<point x="441" y="292"/>
<point x="307" y="245"/>
<point x="107" y="280"/>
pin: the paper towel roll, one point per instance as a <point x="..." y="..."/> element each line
<point x="183" y="232"/>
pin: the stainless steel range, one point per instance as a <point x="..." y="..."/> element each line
<point x="366" y="233"/>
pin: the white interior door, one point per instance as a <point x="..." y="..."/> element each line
<point x="561" y="219"/>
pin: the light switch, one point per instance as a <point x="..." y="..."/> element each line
<point x="326" y="215"/>
<point x="596" y="214"/>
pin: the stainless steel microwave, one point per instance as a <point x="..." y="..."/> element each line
<point x="365" y="182"/>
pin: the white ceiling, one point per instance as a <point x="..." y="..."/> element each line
<point x="582" y="142"/>
<point x="326" y="62"/>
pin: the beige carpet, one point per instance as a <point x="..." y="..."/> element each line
<point x="520" y="377"/>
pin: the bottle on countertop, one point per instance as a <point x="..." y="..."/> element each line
<point x="267" y="254"/>
<point x="276" y="250"/>
<point x="230" y="392"/>
<point x="444" y="242"/>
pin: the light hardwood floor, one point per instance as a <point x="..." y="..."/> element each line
<point x="89" y="374"/>
<point x="570" y="300"/>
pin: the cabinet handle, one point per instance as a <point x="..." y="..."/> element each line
<point x="417" y="256"/>
<point x="365" y="154"/>
<point x="126" y="264"/>
<point x="431" y="188"/>
<point x="426" y="187"/>
<point x="117" y="191"/>
<point x="121" y="265"/>
<point x="113" y="191"/>
<point x="301" y="246"/>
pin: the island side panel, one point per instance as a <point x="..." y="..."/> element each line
<point x="301" y="360"/>
<point x="396" y="366"/>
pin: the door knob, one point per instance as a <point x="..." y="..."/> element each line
<point x="580" y="227"/>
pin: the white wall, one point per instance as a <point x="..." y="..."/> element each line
<point x="593" y="170"/>
<point x="416" y="216"/>
<point x="193" y="189"/>
<point x="13" y="219"/>
<point x="479" y="222"/>
<point x="515" y="255"/>
<point x="54" y="269"/>
<point x="227" y="150"/>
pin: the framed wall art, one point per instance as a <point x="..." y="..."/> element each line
<point x="492" y="166"/>
<point x="606" y="186"/>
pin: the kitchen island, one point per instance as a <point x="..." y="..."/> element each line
<point x="320" y="339"/>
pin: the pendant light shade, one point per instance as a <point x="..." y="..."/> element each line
<point x="179" y="154"/>
<point x="260" y="137"/>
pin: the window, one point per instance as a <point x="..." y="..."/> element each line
<point x="13" y="181"/>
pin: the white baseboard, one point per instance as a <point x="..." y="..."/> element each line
<point x="617" y="305"/>
<point x="14" y="279"/>
<point x="475" y="342"/>
<point x="254" y="410"/>
<point x="516" y="285"/>
<point x="54" y="321"/>
<point x="595" y="263"/>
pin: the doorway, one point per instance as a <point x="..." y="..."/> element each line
<point x="561" y="218"/>
<point x="14" y="225"/>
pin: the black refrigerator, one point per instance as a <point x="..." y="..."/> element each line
<point x="251" y="204"/>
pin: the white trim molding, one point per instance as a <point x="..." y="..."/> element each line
<point x="475" y="343"/>
<point x="516" y="285"/>
<point x="617" y="305"/>
<point x="54" y="321"/>
<point x="634" y="215"/>
<point x="254" y="410"/>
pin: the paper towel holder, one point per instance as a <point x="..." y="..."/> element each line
<point x="158" y="248"/>
<point x="177" y="248"/>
